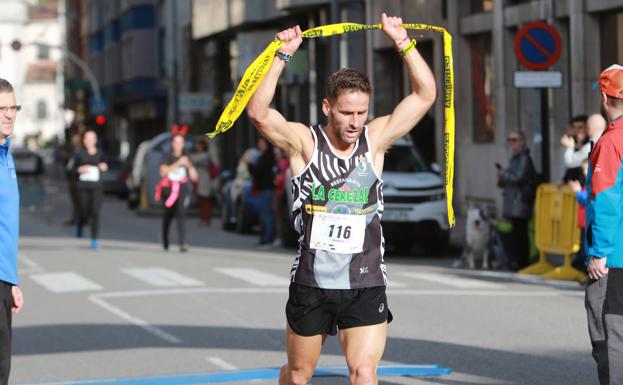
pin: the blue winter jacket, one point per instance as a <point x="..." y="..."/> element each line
<point x="9" y="216"/>
<point x="604" y="211"/>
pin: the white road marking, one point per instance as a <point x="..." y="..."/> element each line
<point x="221" y="363"/>
<point x="453" y="281"/>
<point x="65" y="282"/>
<point x="254" y="276"/>
<point x="31" y="266"/>
<point x="409" y="292"/>
<point x="160" y="277"/>
<point x="392" y="284"/>
<point x="156" y="331"/>
<point x="199" y="290"/>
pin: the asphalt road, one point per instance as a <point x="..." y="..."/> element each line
<point x="132" y="310"/>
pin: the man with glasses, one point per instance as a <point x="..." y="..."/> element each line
<point x="518" y="184"/>
<point x="11" y="298"/>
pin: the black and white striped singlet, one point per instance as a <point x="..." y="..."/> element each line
<point x="337" y="209"/>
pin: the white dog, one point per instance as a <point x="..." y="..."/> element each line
<point x="476" y="239"/>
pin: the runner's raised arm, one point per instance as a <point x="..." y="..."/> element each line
<point x="386" y="130"/>
<point x="289" y="136"/>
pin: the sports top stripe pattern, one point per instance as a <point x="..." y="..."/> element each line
<point x="347" y="188"/>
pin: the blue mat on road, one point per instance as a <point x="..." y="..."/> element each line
<point x="261" y="374"/>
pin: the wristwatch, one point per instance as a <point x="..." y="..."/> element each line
<point x="283" y="56"/>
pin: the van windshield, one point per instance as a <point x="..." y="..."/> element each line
<point x="404" y="159"/>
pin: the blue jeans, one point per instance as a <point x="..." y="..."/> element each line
<point x="267" y="232"/>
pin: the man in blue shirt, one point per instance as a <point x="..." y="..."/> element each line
<point x="11" y="298"/>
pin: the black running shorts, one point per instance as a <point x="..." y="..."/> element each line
<point x="312" y="311"/>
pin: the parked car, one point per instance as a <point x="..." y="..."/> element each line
<point x="145" y="173"/>
<point x="240" y="208"/>
<point x="414" y="203"/>
<point x="114" y="180"/>
<point x="27" y="162"/>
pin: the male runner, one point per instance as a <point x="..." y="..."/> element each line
<point x="338" y="279"/>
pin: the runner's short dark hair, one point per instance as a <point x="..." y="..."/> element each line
<point x="5" y="86"/>
<point x="346" y="79"/>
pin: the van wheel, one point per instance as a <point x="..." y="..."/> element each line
<point x="402" y="246"/>
<point x="438" y="246"/>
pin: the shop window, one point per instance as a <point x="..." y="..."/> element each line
<point x="43" y="52"/>
<point x="96" y="42"/>
<point x="611" y="32"/>
<point x="483" y="107"/>
<point x="388" y="82"/>
<point x="42" y="109"/>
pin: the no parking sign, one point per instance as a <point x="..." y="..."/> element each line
<point x="537" y="45"/>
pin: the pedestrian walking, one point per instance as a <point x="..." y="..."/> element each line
<point x="88" y="164"/>
<point x="279" y="208"/>
<point x="176" y="171"/>
<point x="205" y="187"/>
<point x="338" y="278"/>
<point x="263" y="172"/>
<point x="518" y="183"/>
<point x="11" y="297"/>
<point x="72" y="179"/>
<point x="604" y="226"/>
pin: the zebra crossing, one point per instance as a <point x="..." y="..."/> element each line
<point x="163" y="278"/>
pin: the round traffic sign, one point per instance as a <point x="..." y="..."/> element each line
<point x="537" y="45"/>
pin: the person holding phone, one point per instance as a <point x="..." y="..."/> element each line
<point x="518" y="185"/>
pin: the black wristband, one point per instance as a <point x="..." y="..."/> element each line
<point x="283" y="56"/>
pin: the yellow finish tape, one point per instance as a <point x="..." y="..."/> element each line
<point x="257" y="70"/>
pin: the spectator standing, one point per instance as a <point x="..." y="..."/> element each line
<point x="280" y="190"/>
<point x="206" y="172"/>
<point x="576" y="145"/>
<point x="595" y="127"/>
<point x="176" y="171"/>
<point x="582" y="198"/>
<point x="574" y="157"/>
<point x="72" y="180"/>
<point x="263" y="172"/>
<point x="88" y="164"/>
<point x="11" y="297"/>
<point x="518" y="183"/>
<point x="604" y="226"/>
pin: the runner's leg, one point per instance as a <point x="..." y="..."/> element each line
<point x="95" y="213"/>
<point x="303" y="354"/>
<point x="363" y="347"/>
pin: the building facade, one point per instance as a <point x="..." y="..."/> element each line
<point x="30" y="58"/>
<point x="230" y="34"/>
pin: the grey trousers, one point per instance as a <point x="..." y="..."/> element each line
<point x="604" y="309"/>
